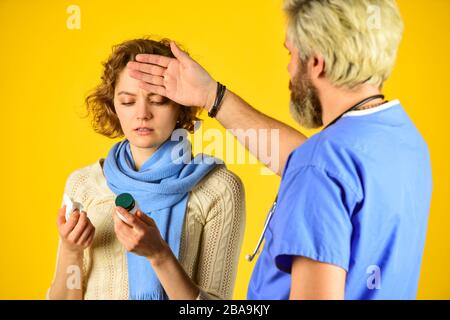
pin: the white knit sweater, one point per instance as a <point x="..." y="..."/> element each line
<point x="210" y="244"/>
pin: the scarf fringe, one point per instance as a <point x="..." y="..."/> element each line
<point x="148" y="296"/>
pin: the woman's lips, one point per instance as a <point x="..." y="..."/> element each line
<point x="144" y="131"/>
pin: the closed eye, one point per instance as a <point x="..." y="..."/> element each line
<point x="158" y="103"/>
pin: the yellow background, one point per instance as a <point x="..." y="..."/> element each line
<point x="47" y="69"/>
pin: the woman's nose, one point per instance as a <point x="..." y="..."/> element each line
<point x="143" y="110"/>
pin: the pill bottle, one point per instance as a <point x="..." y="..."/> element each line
<point x="126" y="201"/>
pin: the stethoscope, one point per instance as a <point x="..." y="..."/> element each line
<point x="250" y="257"/>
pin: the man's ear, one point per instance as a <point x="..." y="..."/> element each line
<point x="316" y="66"/>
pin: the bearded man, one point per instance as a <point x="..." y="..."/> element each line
<point x="351" y="213"/>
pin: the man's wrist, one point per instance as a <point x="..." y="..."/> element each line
<point x="211" y="92"/>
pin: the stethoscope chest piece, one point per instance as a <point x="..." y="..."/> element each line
<point x="250" y="257"/>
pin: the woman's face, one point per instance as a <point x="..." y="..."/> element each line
<point x="147" y="119"/>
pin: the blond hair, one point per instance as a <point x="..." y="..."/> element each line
<point x="357" y="38"/>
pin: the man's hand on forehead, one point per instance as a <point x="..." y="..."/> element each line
<point x="181" y="79"/>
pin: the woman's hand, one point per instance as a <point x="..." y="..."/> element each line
<point x="77" y="233"/>
<point x="140" y="235"/>
<point x="181" y="79"/>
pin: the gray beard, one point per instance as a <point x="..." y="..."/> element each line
<point x="305" y="106"/>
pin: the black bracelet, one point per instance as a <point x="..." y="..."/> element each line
<point x="217" y="103"/>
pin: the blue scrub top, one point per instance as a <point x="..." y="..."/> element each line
<point x="357" y="196"/>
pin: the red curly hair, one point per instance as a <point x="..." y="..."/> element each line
<point x="100" y="103"/>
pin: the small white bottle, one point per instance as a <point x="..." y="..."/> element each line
<point x="126" y="201"/>
<point x="71" y="206"/>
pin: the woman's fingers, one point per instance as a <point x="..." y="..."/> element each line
<point x="79" y="228"/>
<point x="78" y="231"/>
<point x="146" y="219"/>
<point x="120" y="226"/>
<point x="61" y="219"/>
<point x="132" y="220"/>
<point x="129" y="218"/>
<point x="146" y="68"/>
<point x="87" y="232"/>
<point x="90" y="240"/>
<point x="161" y="61"/>
<point x="70" y="224"/>
<point x="123" y="231"/>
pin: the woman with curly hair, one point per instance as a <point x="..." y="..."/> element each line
<point x="185" y="239"/>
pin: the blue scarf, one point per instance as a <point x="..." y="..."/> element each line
<point x="161" y="190"/>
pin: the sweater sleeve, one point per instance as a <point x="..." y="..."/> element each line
<point x="221" y="200"/>
<point x="74" y="188"/>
